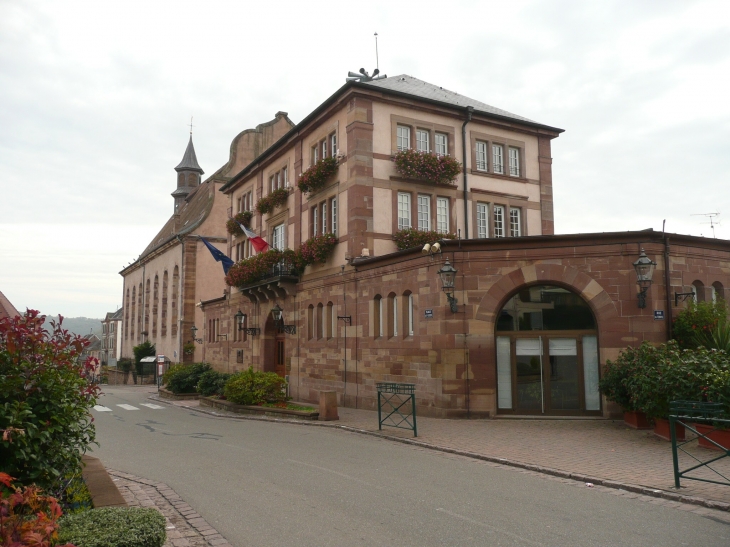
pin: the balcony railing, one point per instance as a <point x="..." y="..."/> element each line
<point x="279" y="281"/>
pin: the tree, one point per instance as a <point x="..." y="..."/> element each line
<point x="145" y="349"/>
<point x="46" y="395"/>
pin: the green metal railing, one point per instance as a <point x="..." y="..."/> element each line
<point x="688" y="413"/>
<point x="393" y="398"/>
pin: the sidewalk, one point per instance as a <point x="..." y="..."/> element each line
<point x="601" y="452"/>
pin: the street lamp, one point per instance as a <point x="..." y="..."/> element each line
<point x="278" y="314"/>
<point x="644" y="268"/>
<point x="241" y="321"/>
<point x="447" y="273"/>
<point x="194" y="331"/>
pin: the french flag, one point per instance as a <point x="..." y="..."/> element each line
<point x="258" y="243"/>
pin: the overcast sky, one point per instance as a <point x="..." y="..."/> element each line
<point x="95" y="98"/>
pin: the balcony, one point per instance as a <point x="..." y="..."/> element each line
<point x="278" y="282"/>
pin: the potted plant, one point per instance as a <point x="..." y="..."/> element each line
<point x="317" y="175"/>
<point x="410" y="237"/>
<point x="413" y="164"/>
<point x="271" y="201"/>
<point x="317" y="249"/>
<point x="615" y="385"/>
<point x="232" y="225"/>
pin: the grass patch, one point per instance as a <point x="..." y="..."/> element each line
<point x="114" y="527"/>
<point x="290" y="406"/>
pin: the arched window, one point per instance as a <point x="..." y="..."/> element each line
<point x="163" y="311"/>
<point x="408" y="318"/>
<point x="173" y="304"/>
<point x="378" y="316"/>
<point x="155" y="306"/>
<point x="147" y="307"/>
<point x="320" y="321"/>
<point x="331" y="320"/>
<point x="392" y="315"/>
<point x="718" y="291"/>
<point x="134" y="312"/>
<point x="698" y="291"/>
<point x="310" y="322"/>
<point x="126" y="317"/>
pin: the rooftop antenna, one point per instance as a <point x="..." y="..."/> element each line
<point x="377" y="64"/>
<point x="712" y="221"/>
<point x="191" y="126"/>
<point x="363" y="76"/>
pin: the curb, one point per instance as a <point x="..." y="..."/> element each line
<point x="103" y="491"/>
<point x="637" y="489"/>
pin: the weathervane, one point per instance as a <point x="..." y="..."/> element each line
<point x="191" y="126"/>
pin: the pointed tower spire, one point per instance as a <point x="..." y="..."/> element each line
<point x="188" y="173"/>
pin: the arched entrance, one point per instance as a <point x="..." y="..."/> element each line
<point x="547" y="354"/>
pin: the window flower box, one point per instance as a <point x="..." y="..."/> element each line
<point x="433" y="168"/>
<point x="272" y="263"/>
<point x="268" y="203"/>
<point x="317" y="249"/>
<point x="244" y="217"/>
<point x="410" y="237"/>
<point x="317" y="175"/>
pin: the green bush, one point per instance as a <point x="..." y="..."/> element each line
<point x="184" y="378"/>
<point x="696" y="321"/>
<point x="252" y="388"/>
<point x="649" y="377"/>
<point x="212" y="383"/>
<point x="46" y="396"/>
<point x="114" y="527"/>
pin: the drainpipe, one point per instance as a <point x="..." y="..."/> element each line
<point x="666" y="284"/>
<point x="469" y="112"/>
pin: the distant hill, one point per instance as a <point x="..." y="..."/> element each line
<point x="78" y="325"/>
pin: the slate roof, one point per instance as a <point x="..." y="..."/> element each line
<point x="403" y="83"/>
<point x="6" y="308"/>
<point x="114" y="315"/>
<point x="189" y="161"/>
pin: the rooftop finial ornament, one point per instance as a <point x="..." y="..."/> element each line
<point x="363" y="76"/>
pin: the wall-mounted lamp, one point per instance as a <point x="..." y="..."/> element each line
<point x="278" y="314"/>
<point x="194" y="330"/>
<point x="644" y="267"/>
<point x="447" y="273"/>
<point x="241" y="321"/>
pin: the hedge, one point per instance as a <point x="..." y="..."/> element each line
<point x="114" y="527"/>
<point x="184" y="378"/>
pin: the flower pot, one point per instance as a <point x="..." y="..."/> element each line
<point x="637" y="420"/>
<point x="661" y="430"/>
<point x="721" y="437"/>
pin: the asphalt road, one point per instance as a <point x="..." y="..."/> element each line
<point x="265" y="484"/>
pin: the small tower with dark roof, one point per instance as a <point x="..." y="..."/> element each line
<point x="188" y="175"/>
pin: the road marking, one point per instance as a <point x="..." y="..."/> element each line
<point x="487" y="526"/>
<point x="100" y="408"/>
<point x="128" y="407"/>
<point x="153" y="407"/>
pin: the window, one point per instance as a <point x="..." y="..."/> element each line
<point x="310" y="322"/>
<point x="333" y="208"/>
<point x="243" y="203"/>
<point x="514" y="223"/>
<point x="404" y="137"/>
<point x="499" y="221"/>
<point x="378" y="316"/>
<point x="279" y="237"/>
<point x="320" y="321"/>
<point x="442" y="215"/>
<point x="315" y="220"/>
<point x="330" y="321"/>
<point x="404" y="210"/>
<point x="482" y="220"/>
<point x="514" y="162"/>
<point x="442" y="144"/>
<point x="323" y="144"/>
<point x="333" y="144"/>
<point x="324" y="217"/>
<point x="424" y="213"/>
<point x="422" y="144"/>
<point x="482" y="164"/>
<point x="410" y="315"/>
<point x="315" y="154"/>
<point x="394" y="309"/>
<point x="497" y="159"/>
<point x="285" y="177"/>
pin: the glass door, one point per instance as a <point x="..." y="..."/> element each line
<point x="564" y="375"/>
<point x="529" y="376"/>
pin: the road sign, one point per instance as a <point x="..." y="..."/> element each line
<point x="428" y="314"/>
<point x="659" y="315"/>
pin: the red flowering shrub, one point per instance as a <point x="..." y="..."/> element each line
<point x="250" y="270"/>
<point x="244" y="217"/>
<point x="274" y="199"/>
<point x="413" y="164"/>
<point x="47" y="393"/>
<point x="317" y="249"/>
<point x="27" y="517"/>
<point x="316" y="176"/>
<point x="410" y="237"/>
<point x="697" y="320"/>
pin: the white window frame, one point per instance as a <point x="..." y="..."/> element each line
<point x="498" y="159"/>
<point x="423" y="139"/>
<point x="315" y="220"/>
<point x="482" y="220"/>
<point x="514" y="161"/>
<point x="395" y="316"/>
<point x="410" y="315"/>
<point x="403" y="139"/>
<point x="285" y="176"/>
<point x="324" y="148"/>
<point x="442" y="215"/>
<point x="499" y="221"/>
<point x="315" y="153"/>
<point x="278" y="237"/>
<point x="515" y="224"/>
<point x="324" y="217"/>
<point x="334" y="215"/>
<point x="441" y="144"/>
<point x="424" y="213"/>
<point x="404" y="210"/>
<point x="333" y="144"/>
<point x="482" y="156"/>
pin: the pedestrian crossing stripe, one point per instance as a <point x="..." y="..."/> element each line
<point x="153" y="407"/>
<point x="128" y="407"/>
<point x="100" y="408"/>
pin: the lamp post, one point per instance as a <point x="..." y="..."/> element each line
<point x="194" y="331"/>
<point x="447" y="273"/>
<point x="278" y="314"/>
<point x="241" y="321"/>
<point x="644" y="268"/>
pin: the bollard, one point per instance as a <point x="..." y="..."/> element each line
<point x="328" y="406"/>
